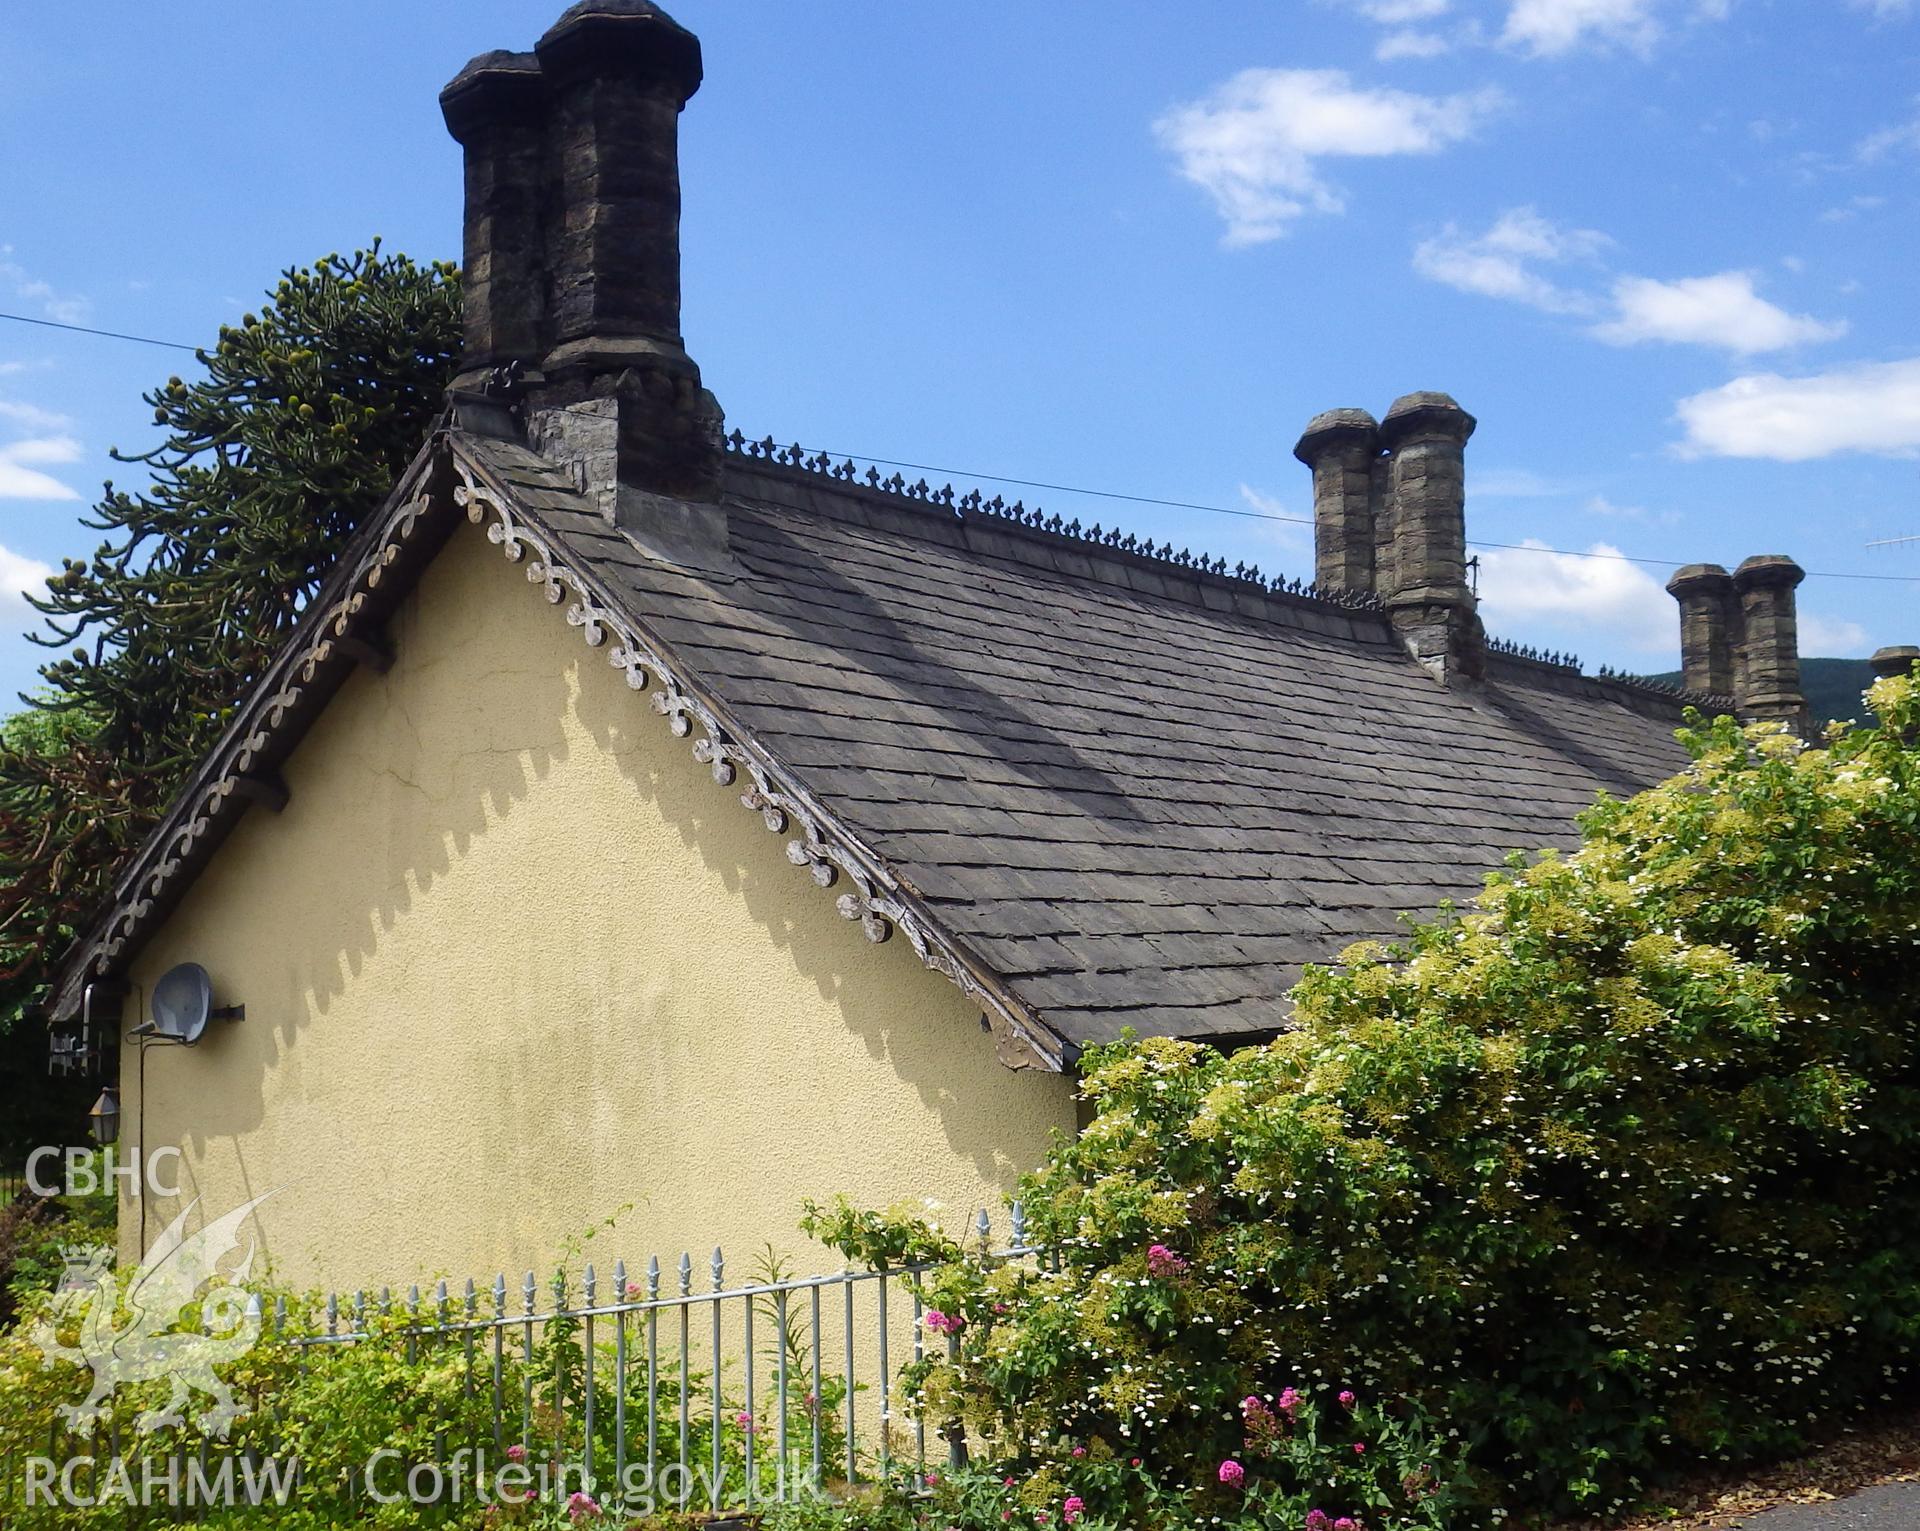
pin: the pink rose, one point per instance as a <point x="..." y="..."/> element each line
<point x="1359" y="1448"/>
<point x="1073" y="1509"/>
<point x="1347" y="1400"/>
<point x="516" y="1452"/>
<point x="1232" y="1473"/>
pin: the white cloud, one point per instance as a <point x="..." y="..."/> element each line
<point x="1395" y="13"/>
<point x="1600" y="505"/>
<point x="1500" y="263"/>
<point x="1254" y="144"/>
<point x="1545" y="28"/>
<point x="1513" y="484"/>
<point x="1285" y="528"/>
<point x="1871" y="407"/>
<point x="32" y="416"/>
<point x="1852" y="209"/>
<point x="1410" y="44"/>
<point x="21" y="575"/>
<point x="20" y="462"/>
<point x="1830" y="635"/>
<point x="1884" y="10"/>
<point x="1596" y="592"/>
<point x="1901" y="136"/>
<point x="64" y="308"/>
<point x="1722" y="310"/>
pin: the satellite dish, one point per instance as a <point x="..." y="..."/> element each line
<point x="182" y="1002"/>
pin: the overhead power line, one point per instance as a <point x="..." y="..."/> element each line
<point x="1271" y="515"/>
<point x="1098" y="494"/>
<point x="81" y="329"/>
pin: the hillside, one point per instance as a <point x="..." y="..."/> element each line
<point x="1833" y="686"/>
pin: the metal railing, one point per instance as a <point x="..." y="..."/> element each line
<point x="717" y="1396"/>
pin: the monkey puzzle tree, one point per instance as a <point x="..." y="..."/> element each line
<point x="305" y="415"/>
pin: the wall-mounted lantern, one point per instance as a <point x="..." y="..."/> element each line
<point x="104" y="1118"/>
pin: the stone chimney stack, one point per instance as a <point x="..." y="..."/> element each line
<point x="619" y="72"/>
<point x="1342" y="447"/>
<point x="1432" y="608"/>
<point x="1898" y="660"/>
<point x="1767" y="671"/>
<point x="496" y="109"/>
<point x="1709" y="627"/>
<point x="572" y="265"/>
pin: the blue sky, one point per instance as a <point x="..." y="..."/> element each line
<point x="1663" y="249"/>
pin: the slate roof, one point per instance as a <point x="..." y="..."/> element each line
<point x="1097" y="789"/>
<point x="1144" y="796"/>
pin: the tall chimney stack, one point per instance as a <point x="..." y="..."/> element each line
<point x="496" y="109"/>
<point x="1897" y="660"/>
<point x="1432" y="609"/>
<point x="1341" y="446"/>
<point x="619" y="72"/>
<point x="1767" y="671"/>
<point x="1709" y="627"/>
<point x="572" y="269"/>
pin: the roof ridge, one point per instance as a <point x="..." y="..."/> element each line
<point x="922" y="496"/>
<point x="766" y="451"/>
<point x="1706" y="701"/>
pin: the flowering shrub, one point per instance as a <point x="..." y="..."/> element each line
<point x="1611" y="1172"/>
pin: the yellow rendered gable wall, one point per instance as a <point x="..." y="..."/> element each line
<point x="511" y="961"/>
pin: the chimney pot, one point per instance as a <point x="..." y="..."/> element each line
<point x="619" y="72"/>
<point x="1709" y="627"/>
<point x="1767" y="670"/>
<point x="573" y="264"/>
<point x="495" y="108"/>
<point x="1897" y="660"/>
<point x="1340" y="446"/>
<point x="1425" y="504"/>
<point x="1426" y="413"/>
<point x="632" y="38"/>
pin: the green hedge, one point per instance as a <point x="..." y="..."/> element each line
<point x="1611" y="1173"/>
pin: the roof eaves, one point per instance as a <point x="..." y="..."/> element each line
<point x="375" y="569"/>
